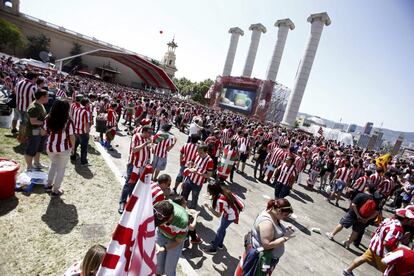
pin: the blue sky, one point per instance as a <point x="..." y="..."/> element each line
<point x="362" y="69"/>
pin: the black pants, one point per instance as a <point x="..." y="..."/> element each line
<point x="259" y="162"/>
<point x="82" y="140"/>
<point x="128" y="188"/>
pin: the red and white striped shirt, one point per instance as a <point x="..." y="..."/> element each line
<point x="61" y="93"/>
<point x="141" y="157"/>
<point x="271" y="146"/>
<point x="287" y="174"/>
<point x="386" y="187"/>
<point x="25" y="90"/>
<point x="277" y="156"/>
<point x="59" y="141"/>
<point x="161" y="148"/>
<point x="226" y="135"/>
<point x="300" y="163"/>
<point x="72" y="109"/>
<point x="344" y="174"/>
<point x="189" y="153"/>
<point x="360" y="184"/>
<point x="111" y="119"/>
<point x="81" y="120"/>
<point x="388" y="233"/>
<point x="229" y="211"/>
<point x="156" y="193"/>
<point x="202" y="165"/>
<point x="376" y="179"/>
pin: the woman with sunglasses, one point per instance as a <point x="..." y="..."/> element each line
<point x="269" y="236"/>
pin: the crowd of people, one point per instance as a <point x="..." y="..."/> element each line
<point x="219" y="144"/>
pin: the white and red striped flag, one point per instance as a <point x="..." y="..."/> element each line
<point x="132" y="248"/>
<point x="209" y="92"/>
<point x="320" y="131"/>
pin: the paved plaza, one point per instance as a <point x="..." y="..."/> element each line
<point x="309" y="253"/>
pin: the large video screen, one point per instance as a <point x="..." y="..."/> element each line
<point x="237" y="100"/>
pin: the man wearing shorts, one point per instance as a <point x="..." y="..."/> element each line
<point x="385" y="239"/>
<point x="36" y="115"/>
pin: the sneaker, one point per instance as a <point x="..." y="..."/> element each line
<point x="329" y="235"/>
<point x="14" y="131"/>
<point x="210" y="250"/>
<point x="121" y="208"/>
<point x="197" y="241"/>
<point x="346" y="273"/>
<point x="345" y="244"/>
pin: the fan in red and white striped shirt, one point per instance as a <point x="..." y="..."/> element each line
<point x="82" y="120"/>
<point x="72" y="109"/>
<point x="388" y="234"/>
<point x="140" y="151"/>
<point x="343" y="174"/>
<point x="161" y="148"/>
<point x="202" y="164"/>
<point x="286" y="174"/>
<point x="361" y="183"/>
<point x="376" y="178"/>
<point x="60" y="141"/>
<point x="156" y="193"/>
<point x="61" y="93"/>
<point x="188" y="153"/>
<point x="386" y="185"/>
<point x="25" y="90"/>
<point x="226" y="135"/>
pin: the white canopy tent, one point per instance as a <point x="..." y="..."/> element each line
<point x="331" y="134"/>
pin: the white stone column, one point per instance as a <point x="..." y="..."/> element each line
<point x="257" y="30"/>
<point x="235" y="32"/>
<point x="284" y="25"/>
<point x="318" y="21"/>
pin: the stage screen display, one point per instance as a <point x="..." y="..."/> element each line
<point x="236" y="99"/>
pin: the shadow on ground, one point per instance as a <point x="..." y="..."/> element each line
<point x="84" y="171"/>
<point x="60" y="217"/>
<point x="8" y="205"/>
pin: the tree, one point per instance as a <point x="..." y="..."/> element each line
<point x="37" y="44"/>
<point x="197" y="90"/>
<point x="10" y="36"/>
<point x="77" y="61"/>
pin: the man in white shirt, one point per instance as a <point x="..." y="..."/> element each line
<point x="194" y="128"/>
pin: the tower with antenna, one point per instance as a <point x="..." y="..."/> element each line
<point x="168" y="61"/>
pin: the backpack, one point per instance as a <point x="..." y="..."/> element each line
<point x="368" y="208"/>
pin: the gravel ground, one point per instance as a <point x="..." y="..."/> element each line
<point x="42" y="235"/>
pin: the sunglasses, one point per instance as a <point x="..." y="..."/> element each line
<point x="289" y="209"/>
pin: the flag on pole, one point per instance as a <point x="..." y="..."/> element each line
<point x="132" y="248"/>
<point x="209" y="93"/>
<point x="320" y="131"/>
